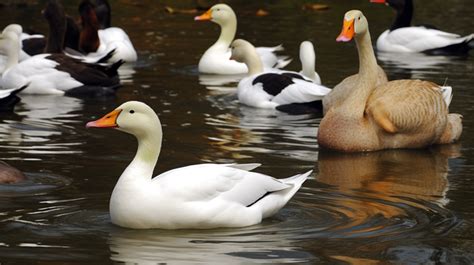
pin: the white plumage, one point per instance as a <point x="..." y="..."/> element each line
<point x="216" y="59"/>
<point x="417" y="39"/>
<point x="271" y="89"/>
<point x="198" y="196"/>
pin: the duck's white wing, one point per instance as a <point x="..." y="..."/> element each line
<point x="301" y="91"/>
<point x="205" y="182"/>
<point x="41" y="74"/>
<point x="417" y="39"/>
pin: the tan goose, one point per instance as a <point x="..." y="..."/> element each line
<point x="396" y="114"/>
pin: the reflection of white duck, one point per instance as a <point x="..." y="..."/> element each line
<point x="216" y="59"/>
<point x="288" y="92"/>
<point x="402" y="37"/>
<point x="197" y="196"/>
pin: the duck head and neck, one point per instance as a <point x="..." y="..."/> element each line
<point x="140" y="120"/>
<point x="308" y="59"/>
<point x="356" y="26"/>
<point x="224" y="16"/>
<point x="89" y="37"/>
<point x="244" y="52"/>
<point x="10" y="47"/>
<point x="404" y="9"/>
<point x="56" y="17"/>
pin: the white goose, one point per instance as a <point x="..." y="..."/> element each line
<point x="308" y="61"/>
<point x="402" y="37"/>
<point x="198" y="196"/>
<point x="216" y="59"/>
<point x="287" y="92"/>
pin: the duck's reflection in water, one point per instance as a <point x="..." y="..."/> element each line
<point x="37" y="123"/>
<point x="416" y="65"/>
<point x="406" y="188"/>
<point x="201" y="247"/>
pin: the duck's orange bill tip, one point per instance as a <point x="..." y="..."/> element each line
<point x="378" y="1"/>
<point x="205" y="16"/>
<point x="108" y="121"/>
<point x="347" y="32"/>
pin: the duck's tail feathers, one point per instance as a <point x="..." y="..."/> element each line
<point x="283" y="61"/>
<point x="274" y="201"/>
<point x="106" y="57"/>
<point x="112" y="70"/>
<point x="277" y="48"/>
<point x="447" y="93"/>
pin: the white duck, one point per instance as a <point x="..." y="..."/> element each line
<point x="55" y="73"/>
<point x="402" y="37"/>
<point x="287" y="92"/>
<point x="308" y="61"/>
<point x="97" y="42"/>
<point x="216" y="59"/>
<point x="198" y="196"/>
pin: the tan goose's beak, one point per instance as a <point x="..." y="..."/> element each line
<point x="347" y="32"/>
<point x="205" y="16"/>
<point x="108" y="121"/>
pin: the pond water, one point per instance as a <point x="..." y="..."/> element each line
<point x="399" y="206"/>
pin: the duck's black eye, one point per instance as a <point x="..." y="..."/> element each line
<point x="218" y="9"/>
<point x="132" y="111"/>
<point x="358" y="18"/>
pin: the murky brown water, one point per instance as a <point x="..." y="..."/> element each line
<point x="404" y="207"/>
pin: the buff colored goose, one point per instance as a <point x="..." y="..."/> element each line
<point x="216" y="59"/>
<point x="287" y="92"/>
<point x="198" y="196"/>
<point x="397" y="114"/>
<point x="402" y="37"/>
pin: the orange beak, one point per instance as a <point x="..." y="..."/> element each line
<point x="108" y="121"/>
<point x="205" y="16"/>
<point x="378" y="1"/>
<point x="347" y="32"/>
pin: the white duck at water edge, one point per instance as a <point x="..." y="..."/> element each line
<point x="216" y="59"/>
<point x="198" y="196"/>
<point x="288" y="92"/>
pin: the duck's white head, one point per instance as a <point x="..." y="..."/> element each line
<point x="9" y="43"/>
<point x="132" y="117"/>
<point x="241" y="50"/>
<point x="220" y="14"/>
<point x="354" y="24"/>
<point x="17" y="29"/>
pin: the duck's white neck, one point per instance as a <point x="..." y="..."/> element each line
<point x="149" y="147"/>
<point x="253" y="62"/>
<point x="12" y="56"/>
<point x="308" y="66"/>
<point x="228" y="30"/>
<point x="368" y="70"/>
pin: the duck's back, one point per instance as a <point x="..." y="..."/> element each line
<point x="409" y="112"/>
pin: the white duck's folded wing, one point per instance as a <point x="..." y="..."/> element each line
<point x="301" y="91"/>
<point x="418" y="39"/>
<point x="206" y="182"/>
